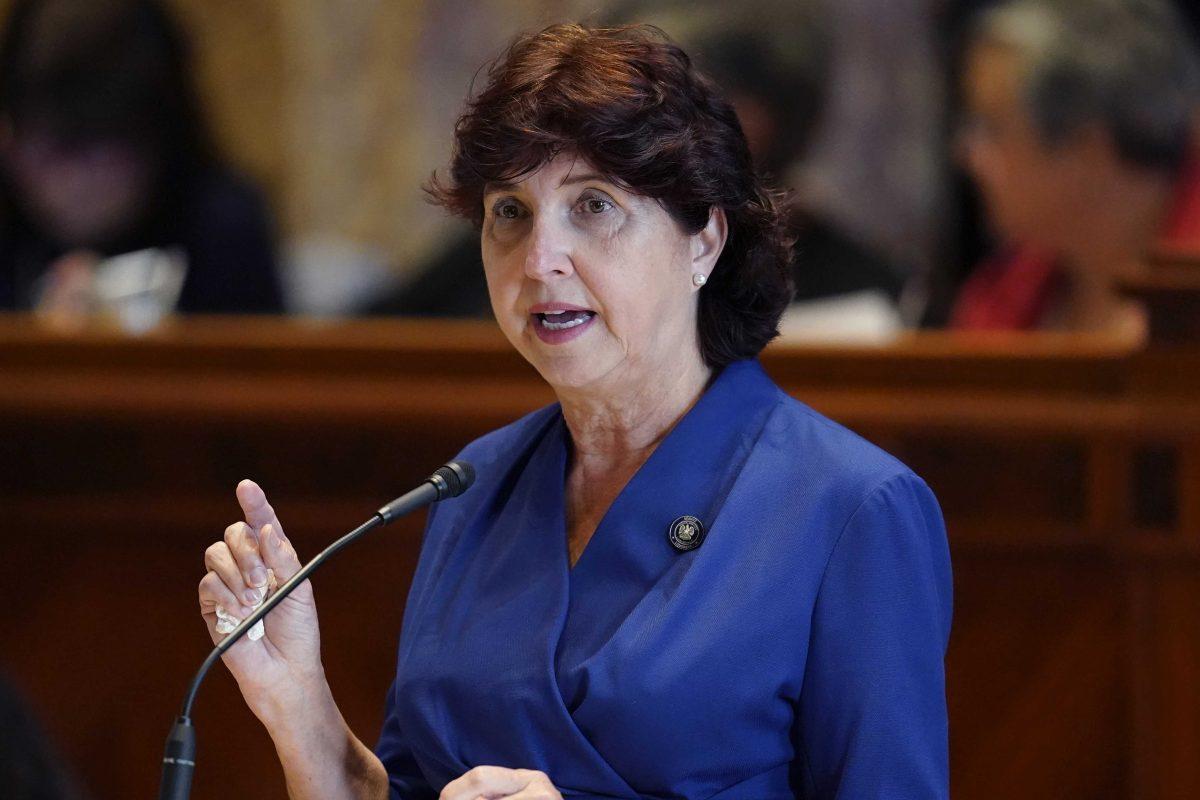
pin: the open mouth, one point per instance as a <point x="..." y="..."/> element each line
<point x="564" y="320"/>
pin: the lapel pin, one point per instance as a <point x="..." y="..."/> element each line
<point x="686" y="533"/>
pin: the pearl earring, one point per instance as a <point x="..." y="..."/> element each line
<point x="699" y="279"/>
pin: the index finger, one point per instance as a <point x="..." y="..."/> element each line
<point x="257" y="510"/>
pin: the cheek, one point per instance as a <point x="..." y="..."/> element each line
<point x="993" y="166"/>
<point x="503" y="281"/>
<point x="1036" y="186"/>
<point x="504" y="295"/>
<point x="1011" y="183"/>
<point x="646" y="300"/>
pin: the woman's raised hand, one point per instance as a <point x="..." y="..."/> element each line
<point x="277" y="673"/>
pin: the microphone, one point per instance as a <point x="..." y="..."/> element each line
<point x="179" y="756"/>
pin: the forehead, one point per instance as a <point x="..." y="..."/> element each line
<point x="561" y="172"/>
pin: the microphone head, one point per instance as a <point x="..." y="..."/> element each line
<point x="458" y="475"/>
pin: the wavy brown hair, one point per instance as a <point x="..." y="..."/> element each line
<point x="630" y="103"/>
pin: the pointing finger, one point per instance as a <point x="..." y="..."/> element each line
<point x="257" y="510"/>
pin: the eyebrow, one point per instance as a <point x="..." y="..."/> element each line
<point x="571" y="180"/>
<point x="584" y="178"/>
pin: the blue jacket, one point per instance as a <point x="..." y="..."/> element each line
<point x="797" y="652"/>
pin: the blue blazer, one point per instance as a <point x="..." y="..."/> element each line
<point x="798" y="652"/>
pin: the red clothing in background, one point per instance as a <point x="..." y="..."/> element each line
<point x="1014" y="289"/>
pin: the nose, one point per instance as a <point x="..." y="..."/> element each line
<point x="547" y="251"/>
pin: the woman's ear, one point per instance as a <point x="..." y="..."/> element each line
<point x="708" y="243"/>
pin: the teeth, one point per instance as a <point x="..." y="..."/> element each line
<point x="562" y="326"/>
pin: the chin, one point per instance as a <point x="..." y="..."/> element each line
<point x="577" y="368"/>
<point x="567" y="371"/>
<point x="569" y="365"/>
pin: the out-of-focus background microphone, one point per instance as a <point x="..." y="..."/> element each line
<point x="179" y="758"/>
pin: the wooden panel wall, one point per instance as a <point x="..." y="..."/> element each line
<point x="1069" y="471"/>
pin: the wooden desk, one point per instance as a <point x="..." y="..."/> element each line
<point x="1068" y="468"/>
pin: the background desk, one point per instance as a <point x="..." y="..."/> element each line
<point x="1068" y="468"/>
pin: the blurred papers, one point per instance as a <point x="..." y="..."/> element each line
<point x="859" y="318"/>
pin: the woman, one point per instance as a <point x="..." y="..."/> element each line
<point x="105" y="152"/>
<point x="675" y="582"/>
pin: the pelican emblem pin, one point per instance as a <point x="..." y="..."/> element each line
<point x="686" y="533"/>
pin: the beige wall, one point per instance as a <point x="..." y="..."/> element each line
<point x="238" y="52"/>
<point x="343" y="108"/>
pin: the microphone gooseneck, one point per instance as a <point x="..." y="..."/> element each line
<point x="179" y="758"/>
<point x="448" y="480"/>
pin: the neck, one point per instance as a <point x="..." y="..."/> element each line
<point x="627" y="423"/>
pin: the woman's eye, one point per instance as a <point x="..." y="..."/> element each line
<point x="596" y="205"/>
<point x="506" y="208"/>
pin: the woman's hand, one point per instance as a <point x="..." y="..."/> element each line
<point x="281" y="671"/>
<point x="500" y="783"/>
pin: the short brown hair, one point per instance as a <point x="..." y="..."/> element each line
<point x="631" y="104"/>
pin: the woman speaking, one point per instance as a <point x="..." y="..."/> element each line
<point x="677" y="581"/>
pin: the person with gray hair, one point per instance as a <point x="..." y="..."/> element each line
<point x="1080" y="131"/>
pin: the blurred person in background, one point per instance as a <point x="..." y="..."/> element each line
<point x="104" y="151"/>
<point x="875" y="169"/>
<point x="773" y="60"/>
<point x="29" y="769"/>
<point x="1080" y="132"/>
